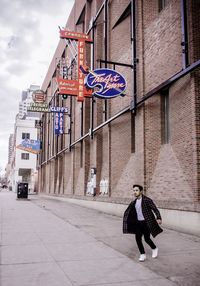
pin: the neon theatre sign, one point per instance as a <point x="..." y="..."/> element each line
<point x="75" y="87"/>
<point x="106" y="83"/>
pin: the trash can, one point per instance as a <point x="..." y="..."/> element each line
<point x="22" y="190"/>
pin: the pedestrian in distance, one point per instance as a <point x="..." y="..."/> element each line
<point x="142" y="218"/>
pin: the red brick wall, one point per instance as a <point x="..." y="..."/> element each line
<point x="194" y="42"/>
<point x="162" y="43"/>
<point x="170" y="172"/>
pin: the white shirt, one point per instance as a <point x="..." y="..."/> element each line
<point x="138" y="207"/>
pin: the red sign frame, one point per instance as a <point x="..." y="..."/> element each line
<point x="65" y="34"/>
<point x="75" y="87"/>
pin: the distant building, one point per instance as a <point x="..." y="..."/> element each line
<point x="26" y="100"/>
<point x="10" y="147"/>
<point x="23" y="165"/>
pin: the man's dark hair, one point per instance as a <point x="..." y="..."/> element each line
<point x="139" y="186"/>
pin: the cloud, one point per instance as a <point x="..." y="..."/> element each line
<point x="17" y="68"/>
<point x="19" y="11"/>
<point x="28" y="39"/>
<point x="10" y="98"/>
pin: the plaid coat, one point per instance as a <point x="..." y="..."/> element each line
<point x="148" y="210"/>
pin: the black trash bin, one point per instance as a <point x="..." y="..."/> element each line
<point x="22" y="191"/>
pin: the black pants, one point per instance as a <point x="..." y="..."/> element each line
<point x="142" y="229"/>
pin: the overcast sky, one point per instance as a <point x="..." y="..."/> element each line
<point x="29" y="35"/>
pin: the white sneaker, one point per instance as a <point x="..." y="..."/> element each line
<point x="154" y="253"/>
<point x="142" y="257"/>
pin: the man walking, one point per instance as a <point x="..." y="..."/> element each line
<point x="139" y="219"/>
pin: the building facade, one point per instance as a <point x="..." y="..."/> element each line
<point x="23" y="164"/>
<point x="10" y="147"/>
<point x="149" y="136"/>
<point x="26" y="100"/>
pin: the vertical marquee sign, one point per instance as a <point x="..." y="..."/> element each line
<point x="75" y="87"/>
<point x="58" y="123"/>
<point x="59" y="112"/>
<point x="81" y="59"/>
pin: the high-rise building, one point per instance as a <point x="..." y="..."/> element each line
<point x="25" y="102"/>
<point x="24" y="95"/>
<point x="21" y="165"/>
<point x="10" y="147"/>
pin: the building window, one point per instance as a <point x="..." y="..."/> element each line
<point x="25" y="135"/>
<point x="81" y="19"/>
<point x="25" y="156"/>
<point x="165" y="130"/>
<point x="162" y="4"/>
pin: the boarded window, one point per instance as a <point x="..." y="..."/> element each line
<point x="165" y="126"/>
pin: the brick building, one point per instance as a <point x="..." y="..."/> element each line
<point x="149" y="136"/>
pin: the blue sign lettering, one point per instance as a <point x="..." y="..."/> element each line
<point x="106" y="83"/>
<point x="58" y="123"/>
<point x="59" y="109"/>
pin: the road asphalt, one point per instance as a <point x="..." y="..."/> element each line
<point x="46" y="241"/>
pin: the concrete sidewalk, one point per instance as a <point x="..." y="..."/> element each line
<point x="51" y="242"/>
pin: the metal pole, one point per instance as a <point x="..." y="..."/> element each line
<point x="81" y="133"/>
<point x="70" y="128"/>
<point x="92" y="68"/>
<point x="134" y="59"/>
<point x="106" y="48"/>
<point x="184" y="30"/>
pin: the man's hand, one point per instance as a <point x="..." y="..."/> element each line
<point x="159" y="221"/>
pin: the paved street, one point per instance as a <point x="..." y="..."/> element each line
<point x="46" y="241"/>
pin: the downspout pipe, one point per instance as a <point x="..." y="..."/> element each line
<point x="92" y="67"/>
<point x="70" y="128"/>
<point x="134" y="59"/>
<point x="106" y="32"/>
<point x="106" y="47"/>
<point x="184" y="30"/>
<point x="81" y="119"/>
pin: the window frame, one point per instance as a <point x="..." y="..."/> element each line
<point x="25" y="135"/>
<point x="162" y="4"/>
<point x="25" y="155"/>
